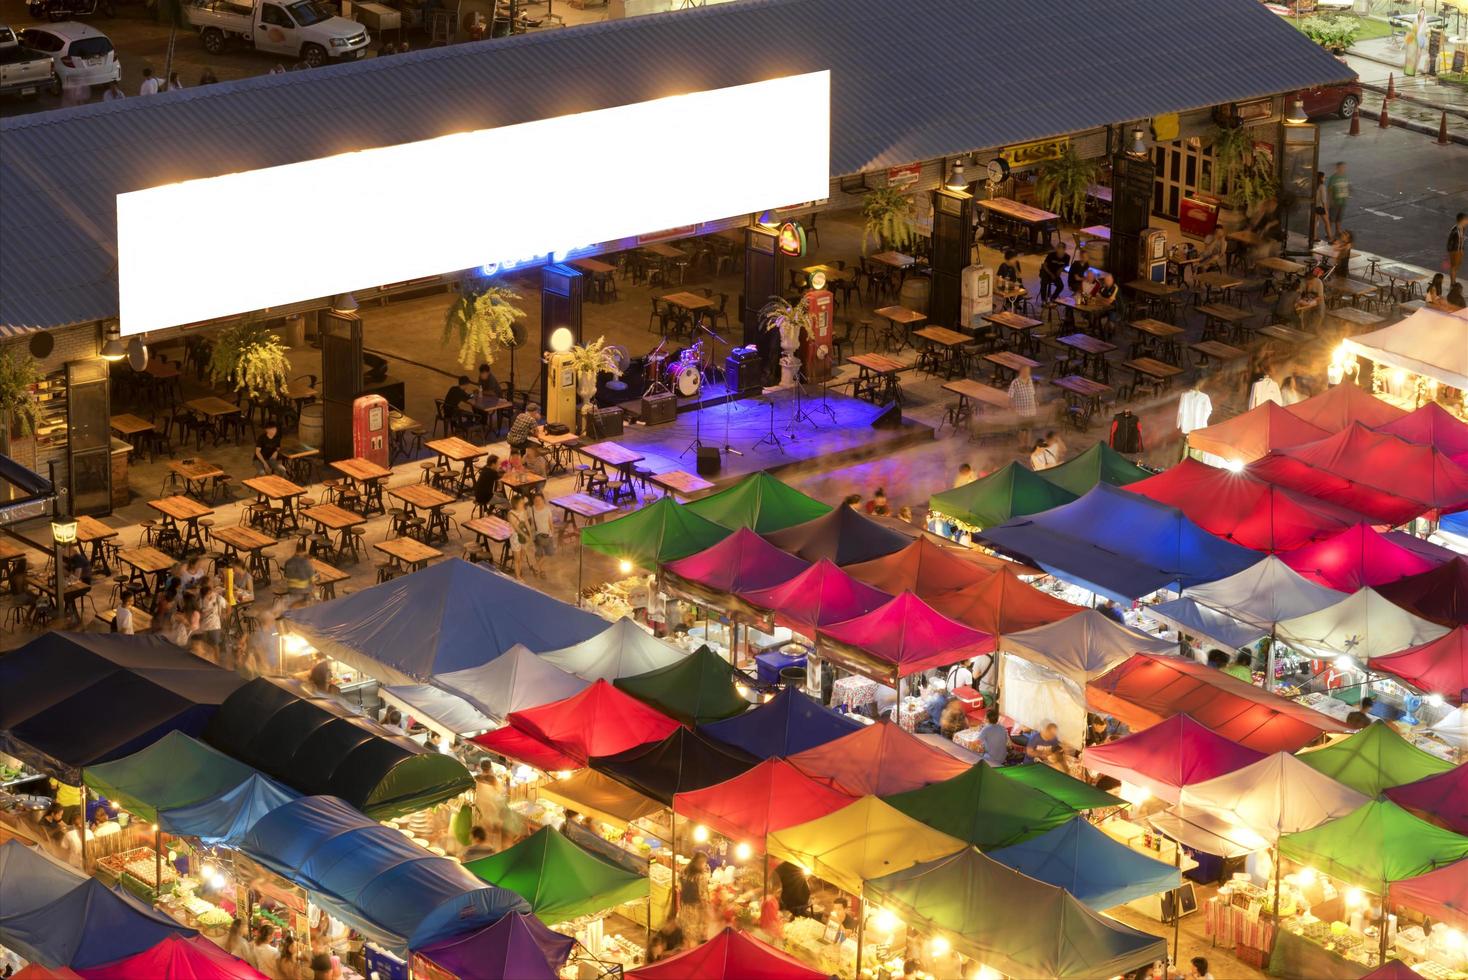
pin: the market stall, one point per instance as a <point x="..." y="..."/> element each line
<point x="662" y="531"/>
<point x="620" y="650"/>
<point x="1362" y="626"/>
<point x="788" y="723"/>
<point x="1013" y="490"/>
<point x="1094" y="466"/>
<point x="558" y="879"/>
<point x="901" y="637"/>
<point x="1428" y="343"/>
<point x="1074" y="793"/>
<point x="770" y="797"/>
<point x="982" y="808"/>
<point x="1452" y="728"/>
<point x="927" y="569"/>
<point x="600" y="720"/>
<point x="1374" y="760"/>
<point x="1339" y="406"/>
<point x="1432" y="425"/>
<point x="1440" y="799"/>
<point x="519" y="945"/>
<point x="1439" y="594"/>
<point x="178" y="958"/>
<point x="741" y="562"/>
<point x="699" y="689"/>
<point x="758" y="502"/>
<point x="1441" y="894"/>
<point x="436" y="709"/>
<point x="1169" y="756"/>
<point x="822" y="595"/>
<point x="843" y="536"/>
<point x="1094" y="868"/>
<point x="1357" y="501"/>
<point x="729" y="956"/>
<point x="1002" y="603"/>
<point x="878" y="760"/>
<point x="1260" y="596"/>
<point x="1358" y="557"/>
<point x="1373" y="458"/>
<point x="1263" y="429"/>
<point x="683" y="761"/>
<point x="1437" y="667"/>
<point x="515" y="680"/>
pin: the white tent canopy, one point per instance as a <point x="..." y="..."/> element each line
<point x="1264" y="594"/>
<point x="1190" y="616"/>
<point x="1452" y="728"/>
<point x="1082" y="647"/>
<point x="1362" y="626"/>
<point x="621" y="650"/>
<point x="444" y="709"/>
<point x="1429" y="342"/>
<point x="515" y="680"/>
<point x="1033" y="695"/>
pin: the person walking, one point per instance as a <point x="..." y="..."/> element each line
<point x="1322" y="205"/>
<point x="1022" y="402"/>
<point x="150" y="84"/>
<point x="1338" y="194"/>
<point x="1457" y="235"/>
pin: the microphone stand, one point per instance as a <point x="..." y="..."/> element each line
<point x="728" y="393"/>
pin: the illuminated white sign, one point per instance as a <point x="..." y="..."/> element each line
<point x="222" y="246"/>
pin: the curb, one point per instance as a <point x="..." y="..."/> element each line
<point x="1427" y="131"/>
<point x="1415" y="100"/>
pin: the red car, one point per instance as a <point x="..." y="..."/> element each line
<point x="1332" y="100"/>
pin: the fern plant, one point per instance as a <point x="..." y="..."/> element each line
<point x="249" y="358"/>
<point x="594" y="358"/>
<point x="1061" y="185"/>
<point x="481" y="324"/>
<point x="887" y="219"/>
<point x="1248" y="174"/>
<point x="18" y="406"/>
<point x="793" y="320"/>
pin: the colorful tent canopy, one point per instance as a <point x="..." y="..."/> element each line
<point x="821" y="595"/>
<point x="559" y="879"/>
<point x="1264" y="594"/>
<point x="1442" y="894"/>
<point x="1374" y="760"/>
<point x="1099" y="464"/>
<point x="901" y="637"/>
<point x="1074" y="793"/>
<point x="982" y="808"/>
<point x="843" y="536"/>
<point x="1084" y="645"/>
<point x="1363" y="625"/>
<point x="1148" y="689"/>
<point x="1057" y="936"/>
<point x="1452" y="727"/>
<point x="1428" y="342"/>
<point x="514" y="680"/>
<point x="1441" y="799"/>
<point x="1002" y="603"/>
<point x="36" y="971"/>
<point x="1375" y="459"/>
<point x="1439" y="594"/>
<point x="741" y="562"/>
<point x="1361" y="501"/>
<point x="696" y="690"/>
<point x="589" y="791"/>
<point x="771" y="796"/>
<point x="601" y="720"/>
<point x="1013" y="490"/>
<point x="372" y="877"/>
<point x="620" y="650"/>
<point x="680" y="763"/>
<point x="517" y="947"/>
<point x="1432" y="425"/>
<point x="864" y="839"/>
<point x="1336" y="408"/>
<point x="1169" y="756"/>
<point x="177" y="958"/>
<point x="759" y="502"/>
<point x="1261" y="430"/>
<point x="174" y="771"/>
<point x="926" y="569"/>
<point x="1204" y="622"/>
<point x="1355" y="558"/>
<point x="877" y="760"/>
<point x="59" y="685"/>
<point x="450" y="616"/>
<point x="228" y="817"/>
<point x="1120" y="544"/>
<point x="662" y="531"/>
<point x="31" y="878"/>
<point x="1374" y="844"/>
<point x="788" y="723"/>
<point x="316" y="744"/>
<point x="1095" y="868"/>
<point x="1241" y="509"/>
<point x="429" y="703"/>
<point x="729" y="956"/>
<point x="516" y="743"/>
<point x="1438" y="667"/>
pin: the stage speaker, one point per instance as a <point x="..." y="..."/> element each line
<point x="889" y="418"/>
<point x="659" y="408"/>
<point x="708" y="460"/>
<point x="607" y="422"/>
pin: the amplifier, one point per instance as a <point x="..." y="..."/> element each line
<point x="660" y="408"/>
<point x="607" y="422"/>
<point x="743" y="370"/>
<point x="708" y="460"/>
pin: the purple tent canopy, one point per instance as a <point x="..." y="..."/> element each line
<point x="740" y="562"/>
<point x="517" y="947"/>
<point x="1442" y="799"/>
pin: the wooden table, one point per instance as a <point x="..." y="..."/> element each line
<point x="609" y="453"/>
<point x="407" y="552"/>
<point x="970" y="392"/>
<point x="298" y="461"/>
<point x="665" y="251"/>
<point x="1410" y="280"/>
<point x="1014" y="323"/>
<point x="405" y="434"/>
<point x="1220" y="282"/>
<point x="330" y="517"/>
<point x="1099" y="232"/>
<point x="1150" y="372"/>
<point x="90" y="531"/>
<point x="1349" y="288"/>
<point x="692" y="302"/>
<point x="900" y="320"/>
<point x="454" y="449"/>
<point x="896" y="260"/>
<point x="1007" y="364"/>
<point x="595" y="267"/>
<point x="278" y="488"/>
<point x="1355" y="317"/>
<point x="1217" y="349"/>
<point x="677" y="482"/>
<point x="583" y="505"/>
<point x="326" y="578"/>
<point x="523" y="482"/>
<point x="1159" y="297"/>
<point x="831" y="273"/>
<point x="177" y="510"/>
<point x="366" y="476"/>
<point x="560" y="449"/>
<point x="1090" y="309"/>
<point x="1093" y="352"/>
<point x="1021" y="225"/>
<point x="213" y="409"/>
<point x="1244" y="237"/>
<point x="130" y="427"/>
<point x="248" y="541"/>
<point x="492" y="407"/>
<point x="947" y="354"/>
<point x="161" y="369"/>
<point x="493" y="531"/>
<point x="1163" y="334"/>
<point x="195" y="473"/>
<point x="421" y="496"/>
<point x="1083" y="396"/>
<point x="1278" y="331"/>
<point x="1283" y="266"/>
<point x="1223" y="320"/>
<point x="876" y="379"/>
<point x="148" y="565"/>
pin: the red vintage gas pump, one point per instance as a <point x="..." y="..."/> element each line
<point x="816" y="353"/>
<point x="369" y="428"/>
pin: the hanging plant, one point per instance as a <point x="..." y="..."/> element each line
<point x="18" y="406"/>
<point x="887" y="219"/>
<point x="482" y="323"/>
<point x="793" y="320"/>
<point x="1061" y="185"/>
<point x="250" y="359"/>
<point x="1248" y="174"/>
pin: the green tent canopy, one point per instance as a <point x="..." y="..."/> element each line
<point x="696" y="690"/>
<point x="1099" y="464"/>
<point x="983" y="808"/>
<point x="1376" y="843"/>
<point x="759" y="502"/>
<point x="963" y="897"/>
<point x="1374" y="759"/>
<point x="559" y="879"/>
<point x="1013" y="490"/>
<point x="1064" y="787"/>
<point x="661" y="531"/>
<point x="175" y="771"/>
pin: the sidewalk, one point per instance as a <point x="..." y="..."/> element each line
<point x="1379" y="58"/>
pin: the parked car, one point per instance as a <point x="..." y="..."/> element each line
<point x="1332" y="100"/>
<point x="23" y="72"/>
<point x="58" y="10"/>
<point x="304" y="29"/>
<point x="80" y="54"/>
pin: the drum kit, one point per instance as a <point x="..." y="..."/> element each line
<point x="683" y="372"/>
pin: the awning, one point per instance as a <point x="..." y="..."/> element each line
<point x="1098" y="464"/>
<point x="843" y="536"/>
<point x="788" y="723"/>
<point x="601" y="720"/>
<point x="927" y="569"/>
<point x="1360" y="501"/>
<point x="515" y="680"/>
<point x="1442" y="894"/>
<point x="1169" y="756"/>
<point x="662" y="531"/>
<point x="879" y="759"/>
<point x="1433" y="425"/>
<point x="1013" y="490"/>
<point x="1440" y="799"/>
<point x="982" y="808"/>
<point x="177" y="958"/>
<point x="517" y="947"/>
<point x="1002" y="604"/>
<point x="1374" y="760"/>
<point x="771" y="796"/>
<point x="1387" y="463"/>
<point x="730" y="955"/>
<point x="560" y="879"/>
<point x="741" y="562"/>
<point x="173" y="772"/>
<point x="758" y="502"/>
<point x="621" y="650"/>
<point x="1337" y="408"/>
<point x="1084" y="645"/>
<point x="1428" y="342"/>
<point x="1439" y="594"/>
<point x="899" y="638"/>
<point x="696" y="690"/>
<point x="680" y="763"/>
<point x="1438" y="667"/>
<point x="822" y="595"/>
<point x="442" y="707"/>
<point x="227" y="818"/>
<point x="1090" y="865"/>
<point x="1362" y="626"/>
<point x="1200" y="621"/>
<point x="1263" y="595"/>
<point x="591" y="792"/>
<point x="1261" y="430"/>
<point x="1074" y="793"/>
<point x="1374" y="844"/>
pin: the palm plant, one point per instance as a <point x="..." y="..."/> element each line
<point x="793" y="320"/>
<point x="1062" y="184"/>
<point x="887" y="219"/>
<point x="482" y="323"/>
<point x="249" y="358"/>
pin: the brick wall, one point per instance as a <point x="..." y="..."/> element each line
<point x="76" y="343"/>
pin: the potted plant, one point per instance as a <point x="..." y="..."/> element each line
<point x="887" y="219"/>
<point x="1061" y="185"/>
<point x="587" y="362"/>
<point x="1242" y="175"/>
<point x="19" y="411"/>
<point x="482" y="323"/>
<point x="249" y="358"/>
<point x="795" y="323"/>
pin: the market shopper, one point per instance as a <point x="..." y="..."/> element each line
<point x="300" y="574"/>
<point x="212" y="609"/>
<point x="1457" y="238"/>
<point x="994" y="740"/>
<point x="1043" y="744"/>
<point x="1022" y="402"/>
<point x="693" y="899"/>
<point x="265" y="956"/>
<point x="1338" y="194"/>
<point x="150" y="84"/>
<point x="237" y="944"/>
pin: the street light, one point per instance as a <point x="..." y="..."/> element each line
<point x="1297" y="115"/>
<point x="956" y="181"/>
<point x="561" y="339"/>
<point x="63" y="533"/>
<point x="1139" y="147"/>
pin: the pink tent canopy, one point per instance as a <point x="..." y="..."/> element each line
<point x="821" y="595"/>
<point x="1393" y="970"/>
<point x="1433" y="425"/>
<point x="1438" y="667"/>
<point x="1168" y="756"/>
<point x="1336" y="408"/>
<point x="741" y="562"/>
<point x="1357" y="557"/>
<point x="1262" y="429"/>
<point x="1441" y="799"/>
<point x="729" y="956"/>
<point x="1442" y="894"/>
<point x="901" y="637"/>
<point x="177" y="958"/>
<point x="1367" y="503"/>
<point x="1385" y="462"/>
<point x="878" y="760"/>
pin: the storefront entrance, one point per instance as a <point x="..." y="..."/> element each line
<point x="1183" y="169"/>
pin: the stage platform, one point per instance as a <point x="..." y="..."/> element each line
<point x="842" y="435"/>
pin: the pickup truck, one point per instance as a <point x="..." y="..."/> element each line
<point x="303" y="29"/>
<point x="23" y="71"/>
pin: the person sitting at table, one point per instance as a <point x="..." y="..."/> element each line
<point x="1043" y="744"/>
<point x="878" y="505"/>
<point x="1310" y="306"/>
<point x="122" y="620"/>
<point x="458" y="407"/>
<point x="300" y="574"/>
<point x="1215" y="252"/>
<point x="267" y="451"/>
<point x="489" y="385"/>
<point x="1009" y="270"/>
<point x="191" y="571"/>
<point x="487" y="485"/>
<point x="953" y="720"/>
<point x="1106" y="290"/>
<point x="527" y="425"/>
<point x="78" y="567"/>
<point x="1052" y="272"/>
<point x="239" y="583"/>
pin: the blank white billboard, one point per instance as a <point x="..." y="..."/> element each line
<point x="315" y="229"/>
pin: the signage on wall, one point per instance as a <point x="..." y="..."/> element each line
<point x="1165" y="128"/>
<point x="903" y="176"/>
<point x="803" y="206"/>
<point x="790" y="240"/>
<point x="1028" y="154"/>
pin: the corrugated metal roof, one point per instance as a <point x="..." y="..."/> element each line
<point x="910" y="82"/>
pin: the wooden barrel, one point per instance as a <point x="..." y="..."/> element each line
<point x="312" y="428"/>
<point x="914" y="294"/>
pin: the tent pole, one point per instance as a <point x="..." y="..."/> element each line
<point x="157" y="862"/>
<point x="861" y="928"/>
<point x="1277" y="915"/>
<point x="1382" y="926"/>
<point x="580" y="570"/>
<point x="1269" y="660"/>
<point x="673" y="847"/>
<point x="1177" y="902"/>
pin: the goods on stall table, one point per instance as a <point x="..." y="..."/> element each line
<point x="854" y="691"/>
<point x="140" y="862"/>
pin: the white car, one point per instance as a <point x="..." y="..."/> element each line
<point x="81" y="55"/>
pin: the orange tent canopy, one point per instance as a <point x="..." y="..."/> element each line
<point x="1002" y="604"/>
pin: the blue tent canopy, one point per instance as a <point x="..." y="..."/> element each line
<point x="60" y="686"/>
<point x="788" y="723"/>
<point x="1096" y="869"/>
<point x="450" y="616"/>
<point x="373" y="878"/>
<point x="30" y="879"/>
<point x="1120" y="544"/>
<point x="227" y="818"/>
<point x="1191" y="617"/>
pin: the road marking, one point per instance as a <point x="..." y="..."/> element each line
<point x="1434" y="190"/>
<point x="1382" y="214"/>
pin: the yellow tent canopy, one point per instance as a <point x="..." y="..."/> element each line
<point x="600" y="796"/>
<point x="866" y="839"/>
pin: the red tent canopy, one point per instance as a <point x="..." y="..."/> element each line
<point x="1441" y="799"/>
<point x="740" y="562"/>
<point x="1439" y="594"/>
<point x="771" y="796"/>
<point x="1003" y="603"/>
<point x="1168" y="756"/>
<point x="1385" y="462"/>
<point x="901" y="637"/>
<point x="514" y="743"/>
<point x="177" y="958"/>
<point x="1336" y="408"/>
<point x="1357" y="557"/>
<point x="821" y="595"/>
<point x="1241" y="509"/>
<point x="1146" y="689"/>
<point x="600" y="720"/>
<point x="36" y="971"/>
<point x="1393" y="970"/>
<point x="729" y="956"/>
<point x="926" y="569"/>
<point x="1442" y="894"/>
<point x="1366" y="503"/>
<point x="1433" y="425"/>
<point x="1438" y="667"/>
<point x="1261" y="430"/>
<point x="879" y="760"/>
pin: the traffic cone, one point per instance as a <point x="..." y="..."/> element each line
<point x="1391" y="85"/>
<point x="1442" y="130"/>
<point x="1383" y="122"/>
<point x="1355" y="122"/>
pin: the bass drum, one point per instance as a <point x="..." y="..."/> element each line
<point x="684" y="378"/>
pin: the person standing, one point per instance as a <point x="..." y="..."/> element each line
<point x="174" y="84"/>
<point x="113" y="93"/>
<point x="1338" y="194"/>
<point x="1321" y="205"/>
<point x="1022" y="402"/>
<point x="150" y="84"/>
<point x="966" y="475"/>
<point x="693" y="899"/>
<point x="212" y="608"/>
<point x="1457" y="235"/>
